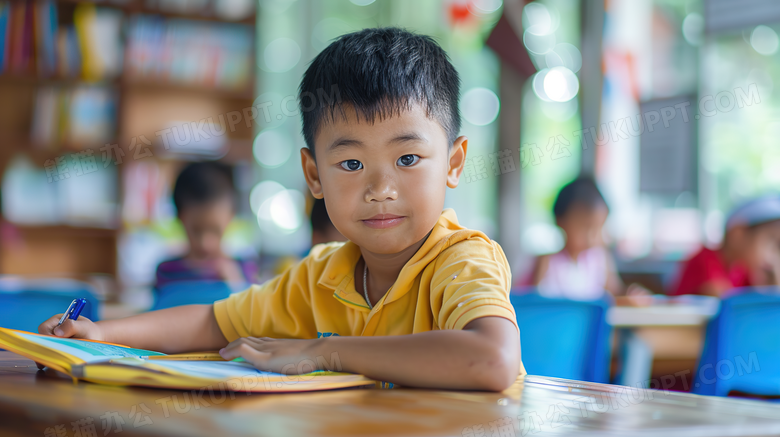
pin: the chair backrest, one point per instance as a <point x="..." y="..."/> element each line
<point x="25" y="304"/>
<point x="564" y="338"/>
<point x="189" y="293"/>
<point x="742" y="346"/>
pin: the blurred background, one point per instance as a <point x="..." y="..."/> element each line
<point x="668" y="104"/>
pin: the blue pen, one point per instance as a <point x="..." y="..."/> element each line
<point x="74" y="310"/>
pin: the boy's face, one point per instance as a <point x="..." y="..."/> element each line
<point x="205" y="224"/>
<point x="583" y="226"/>
<point x="383" y="182"/>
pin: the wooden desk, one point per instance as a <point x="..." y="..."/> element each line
<point x="659" y="315"/>
<point x="34" y="403"/>
<point x="662" y="340"/>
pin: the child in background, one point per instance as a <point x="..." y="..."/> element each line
<point x="205" y="202"/>
<point x="749" y="255"/>
<point x="583" y="269"/>
<point x="322" y="229"/>
<point x="412" y="298"/>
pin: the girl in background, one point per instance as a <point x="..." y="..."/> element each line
<point x="584" y="269"/>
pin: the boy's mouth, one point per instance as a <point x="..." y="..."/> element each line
<point x="383" y="221"/>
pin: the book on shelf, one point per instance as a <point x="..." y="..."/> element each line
<point x="80" y="116"/>
<point x="5" y="17"/>
<point x="72" y="189"/>
<point x="46" y="37"/>
<point x="212" y="55"/>
<point x="33" y="42"/>
<point x="36" y="39"/>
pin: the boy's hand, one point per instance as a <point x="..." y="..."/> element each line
<point x="81" y="328"/>
<point x="291" y="357"/>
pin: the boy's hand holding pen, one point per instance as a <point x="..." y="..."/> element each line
<point x="71" y="324"/>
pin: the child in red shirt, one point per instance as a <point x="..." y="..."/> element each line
<point x="749" y="256"/>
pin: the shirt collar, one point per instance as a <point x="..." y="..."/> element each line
<point x="339" y="272"/>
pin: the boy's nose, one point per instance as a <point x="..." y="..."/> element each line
<point x="381" y="188"/>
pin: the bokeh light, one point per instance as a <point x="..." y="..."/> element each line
<point x="540" y="24"/>
<point x="272" y="148"/>
<point x="560" y="84"/>
<point x="693" y="28"/>
<point x="287" y="209"/>
<point x="480" y="106"/>
<point x="538" y="44"/>
<point x="541" y="19"/>
<point x="537" y="84"/>
<point x="564" y="55"/>
<point x="283" y="212"/>
<point x="262" y="192"/>
<point x="764" y="40"/>
<point x="281" y="55"/>
<point x="483" y="7"/>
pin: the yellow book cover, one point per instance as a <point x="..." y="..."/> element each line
<point x="114" y="364"/>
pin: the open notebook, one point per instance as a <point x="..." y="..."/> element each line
<point x="107" y="363"/>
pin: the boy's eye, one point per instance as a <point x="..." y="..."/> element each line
<point x="407" y="160"/>
<point x="351" y="165"/>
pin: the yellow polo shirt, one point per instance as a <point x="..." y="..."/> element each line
<point x="458" y="275"/>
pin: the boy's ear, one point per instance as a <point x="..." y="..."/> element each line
<point x="457" y="161"/>
<point x="311" y="173"/>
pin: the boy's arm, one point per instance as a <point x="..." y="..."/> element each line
<point x="185" y="328"/>
<point x="485" y="355"/>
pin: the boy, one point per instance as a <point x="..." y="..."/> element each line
<point x="412" y="298"/>
<point x="749" y="256"/>
<point x="205" y="201"/>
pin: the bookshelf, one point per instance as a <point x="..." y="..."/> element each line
<point x="84" y="84"/>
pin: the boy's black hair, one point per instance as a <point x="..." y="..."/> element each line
<point x="581" y="191"/>
<point x="320" y="220"/>
<point x="203" y="182"/>
<point x="380" y="72"/>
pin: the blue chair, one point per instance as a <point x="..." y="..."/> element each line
<point x="742" y="346"/>
<point x="25" y="304"/>
<point x="564" y="338"/>
<point x="189" y="293"/>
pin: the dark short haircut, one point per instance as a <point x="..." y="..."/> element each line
<point x="201" y="183"/>
<point x="320" y="220"/>
<point x="380" y="72"/>
<point x="581" y="192"/>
